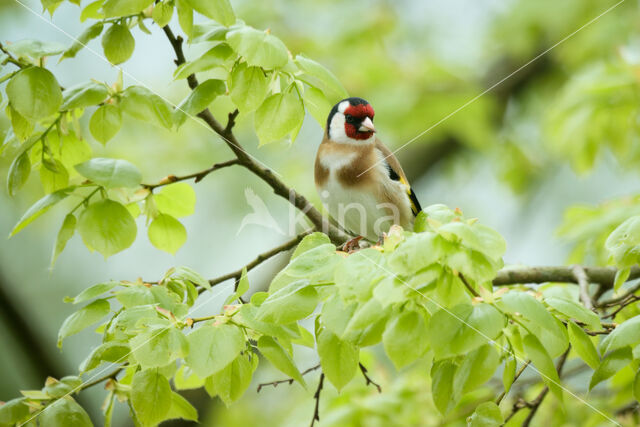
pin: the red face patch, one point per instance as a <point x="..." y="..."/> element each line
<point x="357" y="113"/>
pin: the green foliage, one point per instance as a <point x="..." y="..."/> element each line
<point x="107" y="227"/>
<point x="34" y="93"/>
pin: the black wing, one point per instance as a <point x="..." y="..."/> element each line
<point x="415" y="204"/>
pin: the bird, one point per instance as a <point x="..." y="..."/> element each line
<point x="359" y="180"/>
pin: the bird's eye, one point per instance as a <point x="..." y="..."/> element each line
<point x="349" y="118"/>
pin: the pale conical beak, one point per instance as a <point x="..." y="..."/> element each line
<point x="367" y="125"/>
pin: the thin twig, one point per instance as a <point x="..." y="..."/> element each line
<point x="316" y="396"/>
<point x="515" y="378"/>
<point x="111" y="375"/>
<point x="583" y="282"/>
<point x="468" y="286"/>
<point x="288" y="380"/>
<point x="614" y="301"/>
<point x="198" y="176"/>
<point x="368" y="379"/>
<point x="259" y="260"/>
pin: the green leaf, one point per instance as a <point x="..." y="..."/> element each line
<point x="625" y="334"/>
<point x="63" y="413"/>
<point x="231" y="382"/>
<point x="92" y="11"/>
<point x="92" y="292"/>
<point x="636" y="387"/>
<point x="167" y="233"/>
<point x="177" y="200"/>
<point x="417" y="252"/>
<point x="162" y="13"/>
<point x="243" y="284"/>
<point x="64" y="234"/>
<point x="218" y="10"/>
<point x="574" y="310"/>
<point x="13" y="411"/>
<point x="181" y="408"/>
<point x="151" y="396"/>
<point x="53" y="176"/>
<point x="118" y="44"/>
<point x="185" y="16"/>
<point x="117" y="8"/>
<point x="81" y="319"/>
<point x="293" y="302"/>
<point x="110" y="173"/>
<point x="19" y="172"/>
<point x="107" y="227"/>
<point x="582" y="344"/>
<point x="543" y="363"/>
<point x="35" y="49"/>
<point x="83" y="95"/>
<point x="40" y="207"/>
<point x="339" y="359"/>
<point x="110" y="351"/>
<point x="249" y="87"/>
<point x="105" y="122"/>
<point x="405" y="337"/>
<point x="509" y="373"/>
<point x="279" y="115"/>
<point x="476" y="368"/>
<point x="159" y="346"/>
<point x="142" y="104"/>
<point x="463" y="328"/>
<point x="279" y="358"/>
<point x="322" y="78"/>
<point x="217" y="56"/>
<point x="621" y="277"/>
<point x="442" y="374"/>
<point x="358" y="274"/>
<point x="366" y="325"/>
<point x="487" y="414"/>
<point x="87" y="35"/>
<point x="317" y="104"/>
<point x="624" y="241"/>
<point x="611" y="364"/>
<point x="199" y="99"/>
<point x="22" y="127"/>
<point x="211" y="348"/>
<point x="259" y="48"/>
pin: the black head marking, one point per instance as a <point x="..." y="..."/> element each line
<point x="353" y="101"/>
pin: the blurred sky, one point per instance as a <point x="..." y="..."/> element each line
<point x="452" y="31"/>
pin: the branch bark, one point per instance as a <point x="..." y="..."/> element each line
<point x="583" y="282"/>
<point x="246" y="160"/>
<point x="603" y="276"/>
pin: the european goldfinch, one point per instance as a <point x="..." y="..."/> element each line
<point x="360" y="182"/>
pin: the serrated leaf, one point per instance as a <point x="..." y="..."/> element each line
<point x="405" y="338"/>
<point x="442" y="374"/>
<point x="213" y="347"/>
<point x="167" y="233"/>
<point x="83" y="95"/>
<point x="217" y="56"/>
<point x="117" y="8"/>
<point x="339" y="359"/>
<point x="162" y="13"/>
<point x="543" y="363"/>
<point x="13" y="411"/>
<point x="177" y="200"/>
<point x="625" y="334"/>
<point x="110" y="173"/>
<point x="65" y="233"/>
<point x="279" y="115"/>
<point x="34" y="49"/>
<point x="40" y="207"/>
<point x="279" y="358"/>
<point x="181" y="408"/>
<point x="93" y="292"/>
<point x="85" y="37"/>
<point x="612" y="363"/>
<point x="19" y="172"/>
<point x="509" y="373"/>
<point x="199" y="99"/>
<point x="158" y="347"/>
<point x="574" y="310"/>
<point x="249" y="87"/>
<point x="317" y="104"/>
<point x="151" y="396"/>
<point x="582" y="344"/>
<point x="142" y="104"/>
<point x="231" y="382"/>
<point x="293" y="302"/>
<point x="110" y="351"/>
<point x="107" y="227"/>
<point x="105" y="122"/>
<point x="218" y="10"/>
<point x="118" y="44"/>
<point x="323" y="79"/>
<point x="83" y="318"/>
<point x="259" y="48"/>
<point x="487" y="414"/>
<point x="65" y="412"/>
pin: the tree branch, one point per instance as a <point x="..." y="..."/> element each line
<point x="198" y="176"/>
<point x="244" y="159"/>
<point x="316" y="396"/>
<point x="515" y="378"/>
<point x="368" y="379"/>
<point x="259" y="260"/>
<point x="288" y="380"/>
<point x="603" y="276"/>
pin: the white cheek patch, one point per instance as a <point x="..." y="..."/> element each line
<point x="337" y="132"/>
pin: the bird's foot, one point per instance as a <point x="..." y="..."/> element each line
<point x="352" y="245"/>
